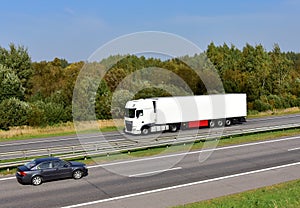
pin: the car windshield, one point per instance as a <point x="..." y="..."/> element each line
<point x="30" y="164"/>
<point x="130" y="112"/>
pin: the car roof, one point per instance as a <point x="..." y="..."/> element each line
<point x="40" y="160"/>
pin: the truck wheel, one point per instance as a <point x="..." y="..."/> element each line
<point x="145" y="130"/>
<point x="173" y="128"/>
<point x="228" y="122"/>
<point x="212" y="124"/>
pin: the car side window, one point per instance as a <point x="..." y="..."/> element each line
<point x="65" y="164"/>
<point x="45" y="165"/>
<point x="57" y="164"/>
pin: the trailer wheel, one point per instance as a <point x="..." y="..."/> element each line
<point x="145" y="130"/>
<point x="220" y="123"/>
<point x="228" y="122"/>
<point x="173" y="128"/>
<point x="212" y="124"/>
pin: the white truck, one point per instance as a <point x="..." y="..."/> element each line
<point x="173" y="113"/>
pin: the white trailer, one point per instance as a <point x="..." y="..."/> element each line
<point x="172" y="113"/>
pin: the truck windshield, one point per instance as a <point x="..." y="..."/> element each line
<point x="130" y="112"/>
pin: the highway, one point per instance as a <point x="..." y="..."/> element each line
<point x="63" y="141"/>
<point x="111" y="182"/>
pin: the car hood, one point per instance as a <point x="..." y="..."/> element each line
<point x="77" y="164"/>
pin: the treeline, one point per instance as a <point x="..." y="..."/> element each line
<point x="41" y="93"/>
<point x="270" y="79"/>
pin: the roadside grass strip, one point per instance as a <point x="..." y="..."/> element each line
<point x="284" y="195"/>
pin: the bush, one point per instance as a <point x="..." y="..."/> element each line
<point x="13" y="112"/>
<point x="276" y="102"/>
<point x="261" y="106"/>
<point x="43" y="114"/>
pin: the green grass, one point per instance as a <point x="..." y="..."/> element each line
<point x="284" y="195"/>
<point x="275" y="112"/>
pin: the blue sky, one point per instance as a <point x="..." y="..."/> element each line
<point x="74" y="29"/>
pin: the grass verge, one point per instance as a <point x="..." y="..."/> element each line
<point x="284" y="195"/>
<point x="275" y="112"/>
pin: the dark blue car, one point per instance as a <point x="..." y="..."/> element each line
<point x="40" y="170"/>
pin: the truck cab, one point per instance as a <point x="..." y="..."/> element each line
<point x="139" y="116"/>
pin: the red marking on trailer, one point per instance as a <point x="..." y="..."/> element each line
<point x="194" y="124"/>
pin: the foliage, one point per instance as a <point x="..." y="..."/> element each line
<point x="13" y="112"/>
<point x="10" y="84"/>
<point x="271" y="80"/>
<point x="47" y="113"/>
<point x="17" y="59"/>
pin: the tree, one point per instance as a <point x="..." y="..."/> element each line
<point x="256" y="64"/>
<point x="281" y="68"/>
<point x="17" y="59"/>
<point x="10" y="84"/>
<point x="103" y="102"/>
<point x="13" y="112"/>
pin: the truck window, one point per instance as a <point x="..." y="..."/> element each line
<point x="139" y="113"/>
<point x="130" y="112"/>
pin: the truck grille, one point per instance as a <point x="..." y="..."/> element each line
<point x="128" y="125"/>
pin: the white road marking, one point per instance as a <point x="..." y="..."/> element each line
<point x="157" y="171"/>
<point x="294" y="149"/>
<point x="195" y="152"/>
<point x="5" y="179"/>
<point x="181" y="186"/>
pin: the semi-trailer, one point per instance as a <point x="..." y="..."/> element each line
<point x="183" y="112"/>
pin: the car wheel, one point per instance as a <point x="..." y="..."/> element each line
<point x="77" y="174"/>
<point x="36" y="180"/>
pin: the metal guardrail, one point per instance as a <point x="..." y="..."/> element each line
<point x="110" y="147"/>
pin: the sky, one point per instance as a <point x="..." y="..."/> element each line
<point x="74" y="29"/>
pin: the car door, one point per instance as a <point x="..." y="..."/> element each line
<point x="63" y="169"/>
<point x="47" y="171"/>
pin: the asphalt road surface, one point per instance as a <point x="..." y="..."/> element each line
<point x="162" y="173"/>
<point x="65" y="141"/>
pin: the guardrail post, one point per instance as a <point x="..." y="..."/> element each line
<point x="96" y="147"/>
<point x="24" y="154"/>
<point x="49" y="152"/>
<point x="73" y="150"/>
